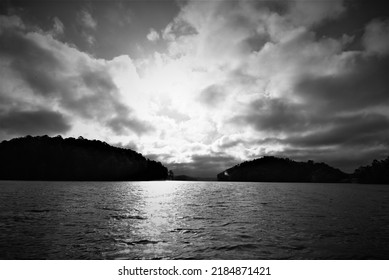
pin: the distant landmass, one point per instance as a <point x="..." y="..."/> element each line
<point x="273" y="169"/>
<point x="47" y="158"/>
<point x="376" y="173"/>
<point x="70" y="159"/>
<point x="184" y="178"/>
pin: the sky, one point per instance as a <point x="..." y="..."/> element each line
<point x="201" y="85"/>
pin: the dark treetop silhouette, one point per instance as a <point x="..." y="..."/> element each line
<point x="273" y="169"/>
<point x="376" y="173"/>
<point x="46" y="158"/>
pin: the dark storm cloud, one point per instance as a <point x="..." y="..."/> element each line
<point x="101" y="98"/>
<point x="30" y="60"/>
<point x="362" y="130"/>
<point x="98" y="80"/>
<point x="124" y="122"/>
<point x="277" y="6"/>
<point x="18" y="123"/>
<point x="56" y="73"/>
<point x="280" y="7"/>
<point x="46" y="72"/>
<point x="274" y="115"/>
<point x="363" y="83"/>
<point x="338" y="118"/>
<point x="345" y="142"/>
<point x="256" y="42"/>
<point x="121" y="126"/>
<point x="230" y="143"/>
<point x="357" y="15"/>
<point x="308" y="132"/>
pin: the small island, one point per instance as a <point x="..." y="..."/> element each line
<point x="70" y="159"/>
<point x="273" y="169"/>
<point x="376" y="173"/>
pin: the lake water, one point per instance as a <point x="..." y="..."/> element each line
<point x="193" y="220"/>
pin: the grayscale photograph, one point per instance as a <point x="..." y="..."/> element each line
<point x="194" y="130"/>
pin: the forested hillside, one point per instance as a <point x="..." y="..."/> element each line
<point x="46" y="158"/>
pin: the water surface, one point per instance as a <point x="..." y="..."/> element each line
<point x="193" y="220"/>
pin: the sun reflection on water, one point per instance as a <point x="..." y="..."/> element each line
<point x="160" y="209"/>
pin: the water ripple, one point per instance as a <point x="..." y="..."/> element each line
<point x="192" y="220"/>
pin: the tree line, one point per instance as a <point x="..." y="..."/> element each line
<point x="274" y="169"/>
<point x="55" y="158"/>
<point x="376" y="173"/>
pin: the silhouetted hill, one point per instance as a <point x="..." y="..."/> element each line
<point x="376" y="173"/>
<point x="273" y="169"/>
<point x="46" y="158"/>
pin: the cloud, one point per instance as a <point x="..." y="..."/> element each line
<point x="206" y="166"/>
<point x="153" y="35"/>
<point x="88" y="25"/>
<point x="58" y="27"/>
<point x="90" y="39"/>
<point x="267" y="78"/>
<point x="11" y="21"/>
<point x="313" y="12"/>
<point x="49" y="73"/>
<point x="363" y="130"/>
<point x="126" y="124"/>
<point x="37" y="122"/>
<point x="86" y="19"/>
<point x="376" y="37"/>
<point x="273" y="115"/>
<point x="228" y="141"/>
<point x="212" y="95"/>
<point x="238" y="80"/>
<point x="118" y="13"/>
<point x="360" y="82"/>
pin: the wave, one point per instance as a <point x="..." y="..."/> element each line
<point x="127" y="217"/>
<point x="238" y="247"/>
<point x="141" y="242"/>
<point x="38" y="211"/>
